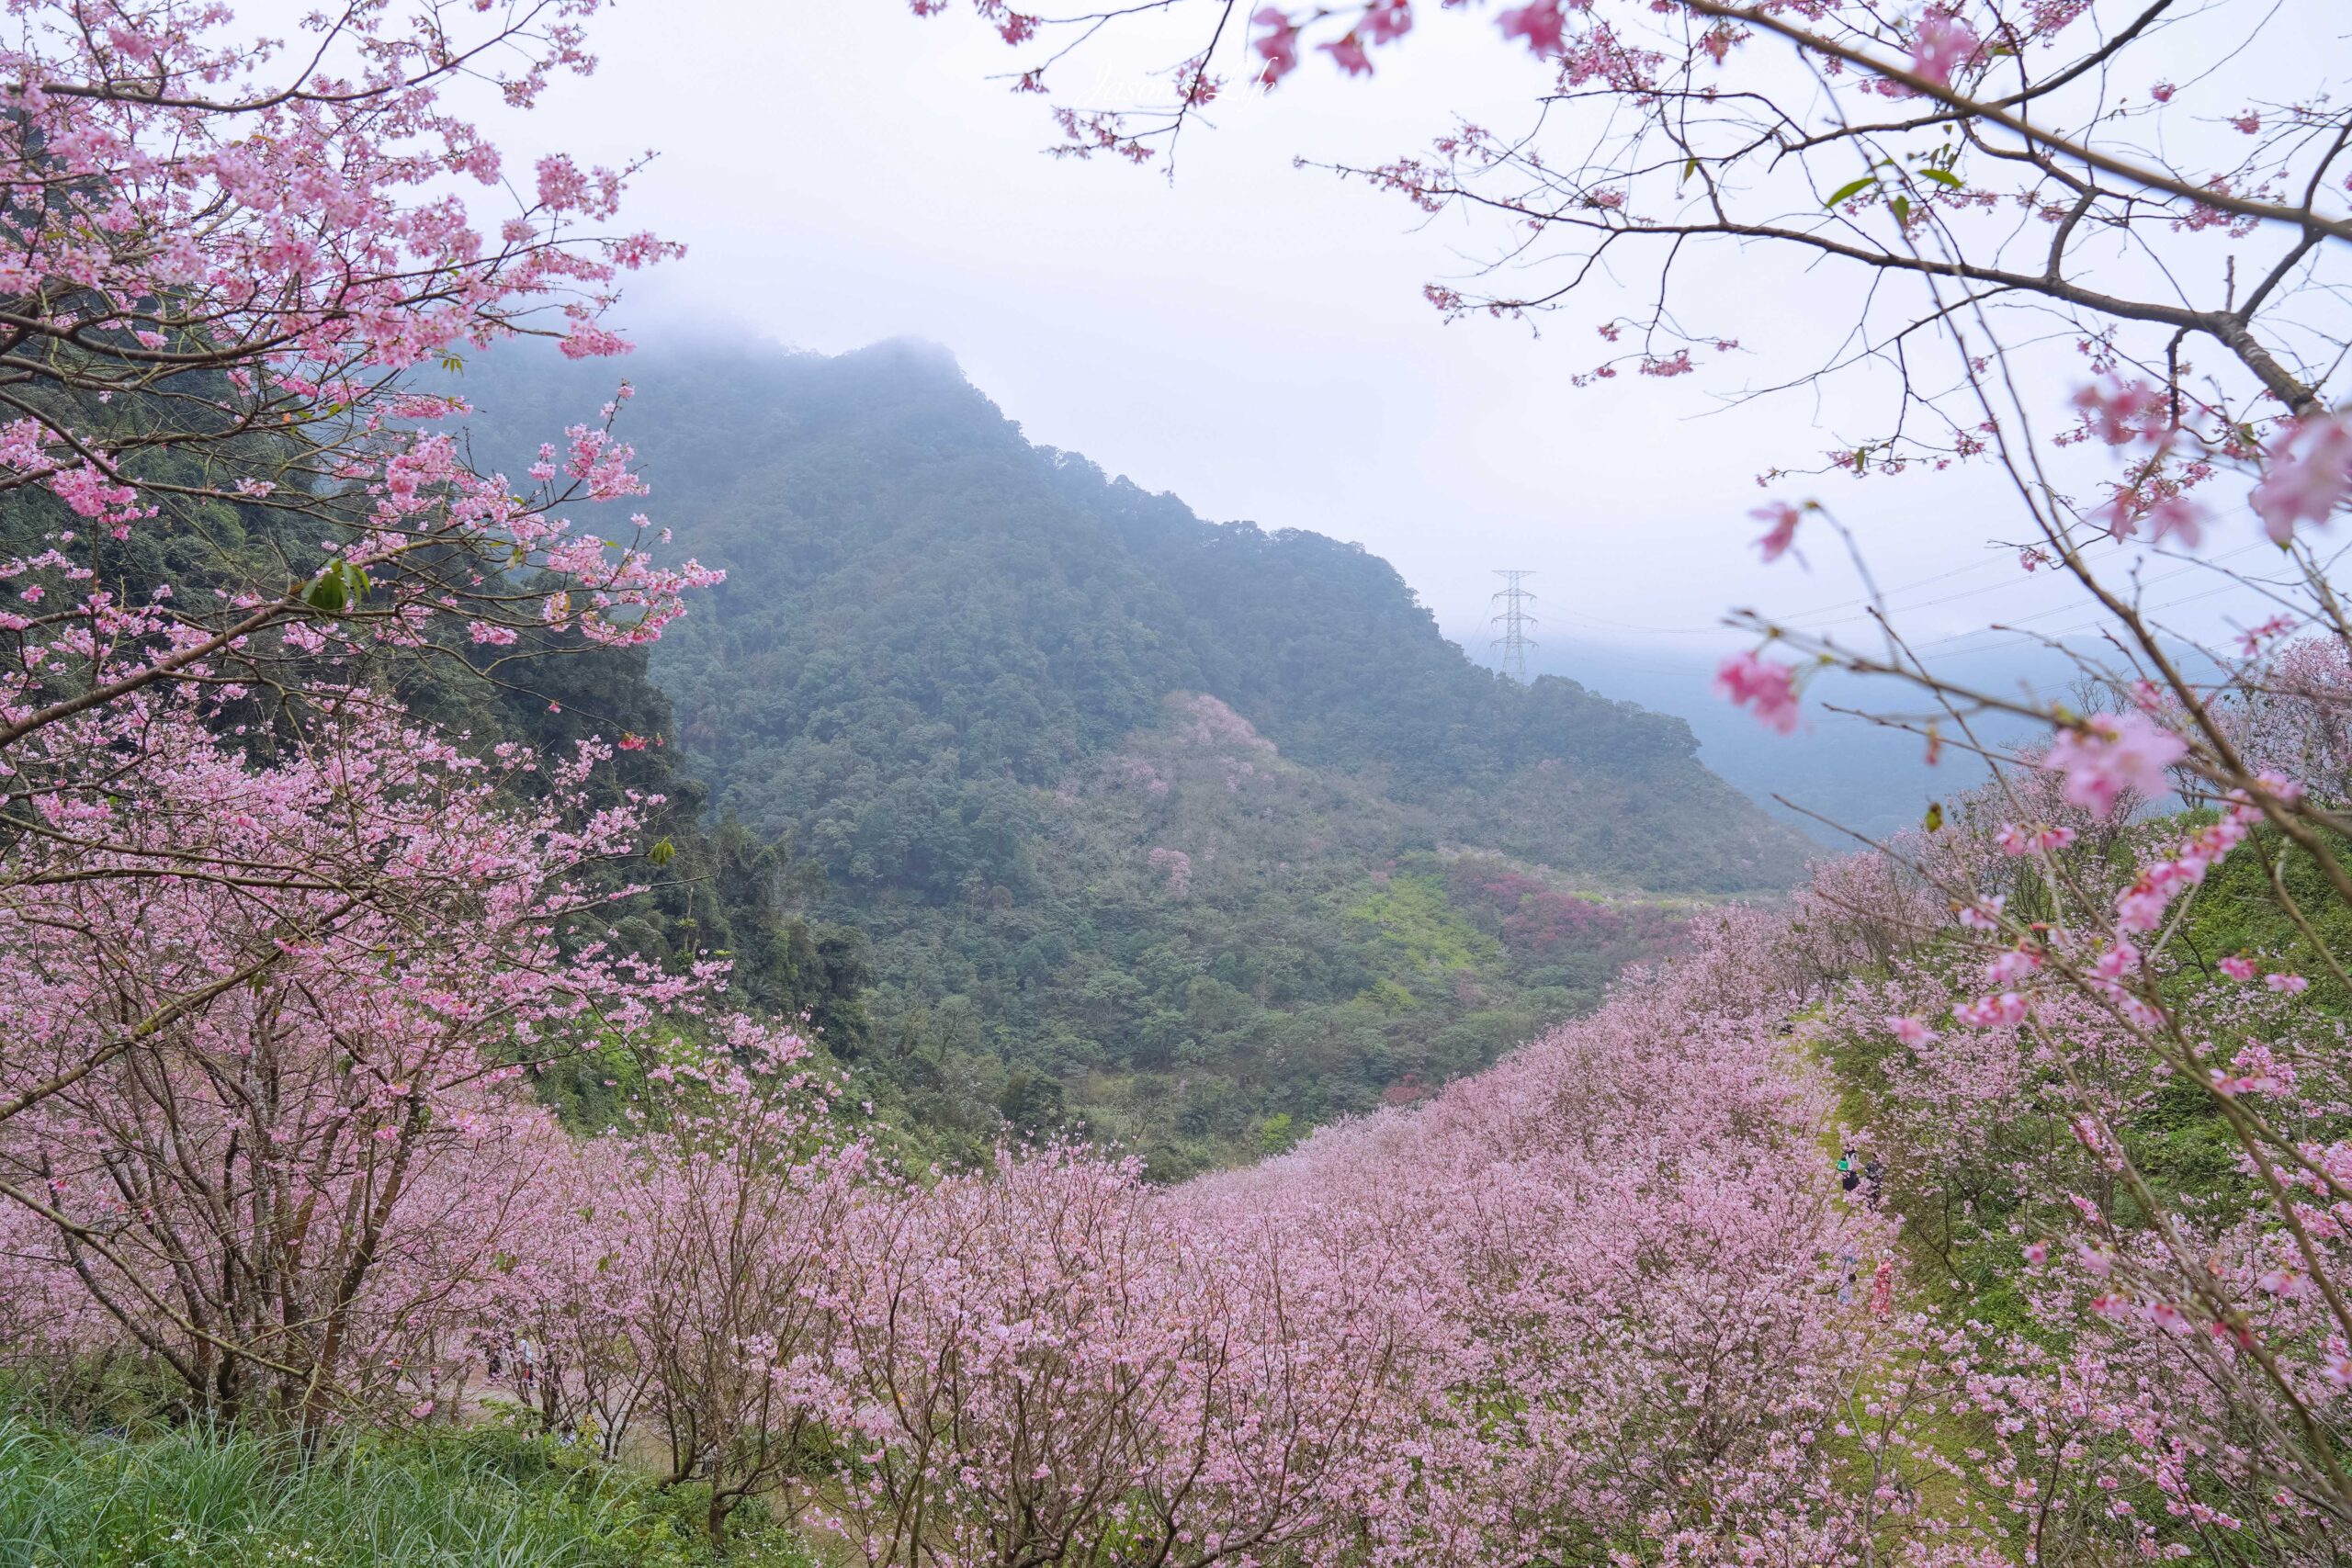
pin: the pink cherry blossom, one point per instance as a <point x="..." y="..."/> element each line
<point x="2005" y="1010"/>
<point x="1910" y="1031"/>
<point x="1749" y="679"/>
<point x="1386" y="21"/>
<point x="2018" y="840"/>
<point x="2119" y="412"/>
<point x="1983" y="914"/>
<point x="1540" y="23"/>
<point x="2108" y="755"/>
<point x="1782" y="531"/>
<point x="1347" y="53"/>
<point x="1276" y="43"/>
<point x="2251" y="641"/>
<point x="2308" y="474"/>
<point x="2284" y="1281"/>
<point x="1943" y="45"/>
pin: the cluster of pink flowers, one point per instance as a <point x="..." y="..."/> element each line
<point x="283" y="252"/>
<point x="2108" y="756"/>
<point x="1750" y="679"/>
<point x="2309" y="475"/>
<point x="1942" y="46"/>
<point x="242" y="992"/>
<point x="2191" y="1321"/>
<point x="1780" y="531"/>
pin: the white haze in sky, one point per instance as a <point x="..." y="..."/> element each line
<point x="1252" y="337"/>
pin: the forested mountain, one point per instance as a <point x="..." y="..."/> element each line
<point x="1198" y="833"/>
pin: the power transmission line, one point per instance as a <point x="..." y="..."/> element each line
<point x="1514" y="644"/>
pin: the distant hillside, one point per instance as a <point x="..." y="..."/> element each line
<point x="942" y="661"/>
<point x="1865" y="778"/>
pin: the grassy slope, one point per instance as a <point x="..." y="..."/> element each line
<point x="485" y="1499"/>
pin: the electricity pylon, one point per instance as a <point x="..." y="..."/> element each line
<point x="1514" y="644"/>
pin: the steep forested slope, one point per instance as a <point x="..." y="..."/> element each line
<point x="937" y="647"/>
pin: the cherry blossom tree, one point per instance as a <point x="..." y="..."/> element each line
<point x="579" y="1293"/>
<point x="264" y="1025"/>
<point x="743" y="1186"/>
<point x="1049" y="1361"/>
<point x="224" y="256"/>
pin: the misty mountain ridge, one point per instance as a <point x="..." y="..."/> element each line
<point x="1191" y="831"/>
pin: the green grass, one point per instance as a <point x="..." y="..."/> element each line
<point x="482" y="1499"/>
<point x="1419" y="933"/>
<point x="2236" y="911"/>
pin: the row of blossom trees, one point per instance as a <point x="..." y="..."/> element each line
<point x="1604" y="1299"/>
<point x="1600" y="1295"/>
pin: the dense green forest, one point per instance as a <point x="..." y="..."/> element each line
<point x="1194" y="835"/>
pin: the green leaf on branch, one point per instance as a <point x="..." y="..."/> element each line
<point x="1851" y="189"/>
<point x="337" y="588"/>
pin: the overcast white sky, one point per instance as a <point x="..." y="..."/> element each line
<point x="1252" y="338"/>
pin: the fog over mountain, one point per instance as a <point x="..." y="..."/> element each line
<point x="1865" y="777"/>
